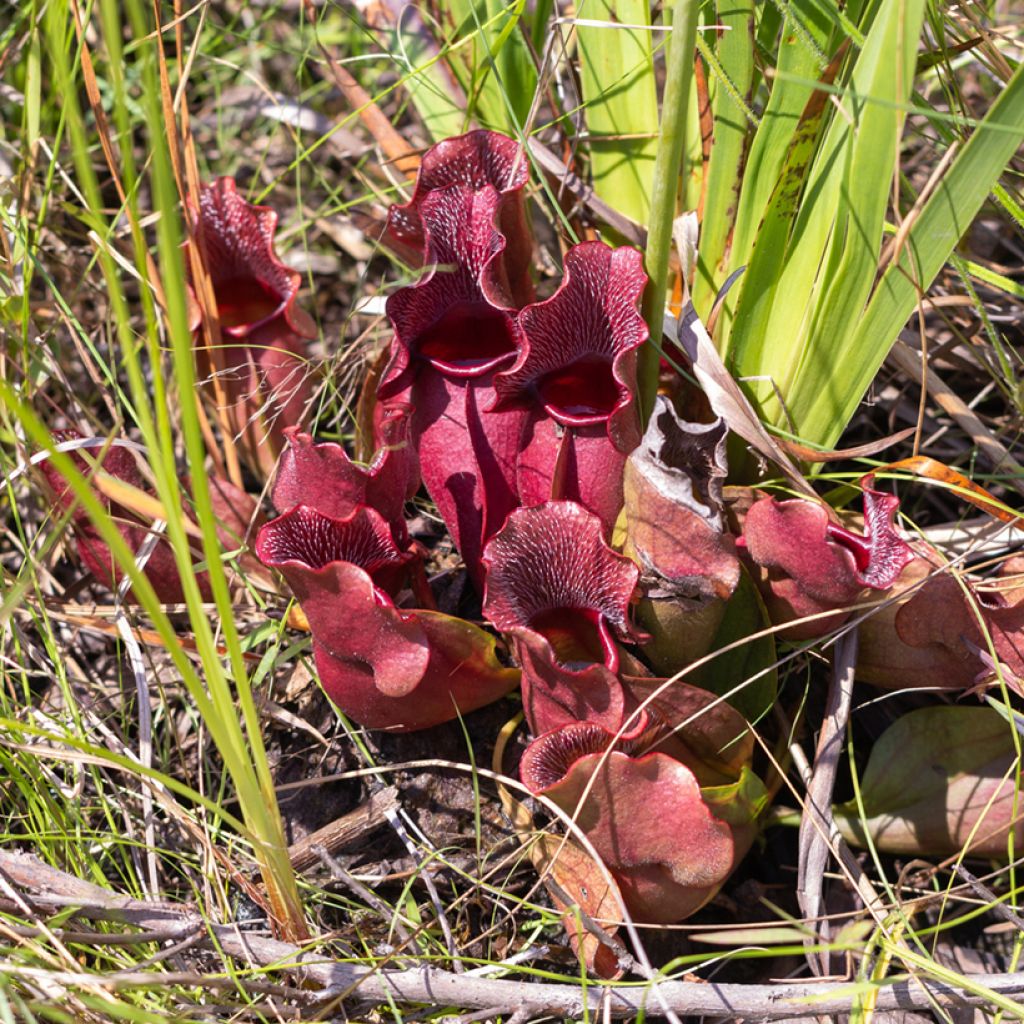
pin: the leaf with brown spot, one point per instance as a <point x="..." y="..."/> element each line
<point x="567" y="870"/>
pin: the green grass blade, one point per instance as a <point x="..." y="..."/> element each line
<point x="772" y="154"/>
<point x="756" y="292"/>
<point x="988" y="276"/>
<point x="215" y="689"/>
<point x="667" y="172"/>
<point x="943" y="221"/>
<point x="732" y="128"/>
<point x="1009" y="204"/>
<point x="621" y="102"/>
<point x="243" y="750"/>
<point x="882" y="84"/>
<point x="496" y="70"/>
<point x="828" y="265"/>
<point x="429" y="82"/>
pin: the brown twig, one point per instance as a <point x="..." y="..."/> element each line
<point x="817" y="825"/>
<point x="50" y="887"/>
<point x="442" y="988"/>
<point x="344" y="831"/>
<point x="339" y="874"/>
<point x="987" y="896"/>
<point x="395" y="148"/>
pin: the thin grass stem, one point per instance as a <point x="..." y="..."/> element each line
<point x="668" y="168"/>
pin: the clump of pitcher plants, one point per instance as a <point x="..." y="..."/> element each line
<point x="603" y="551"/>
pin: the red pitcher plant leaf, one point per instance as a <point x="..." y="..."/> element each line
<point x="304" y="536"/>
<point x="263" y="364"/>
<point x="688" y="725"/>
<point x="161" y="568"/>
<point x="475" y="161"/>
<point x="325" y="478"/>
<point x="576" y="373"/>
<point x="239" y="519"/>
<point x="557" y="588"/>
<point x="675" y="531"/>
<point x="236" y="512"/>
<point x="453" y="329"/>
<point x="813" y="565"/>
<point x="457" y="316"/>
<point x="643" y="813"/>
<point x="696" y="727"/>
<point x="579" y="884"/>
<point x="954" y="620"/>
<point x="936" y="633"/>
<point x="674" y="511"/>
<point x="898" y="651"/>
<point x="384" y="667"/>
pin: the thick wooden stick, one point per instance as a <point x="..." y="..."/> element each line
<point x="42" y="887"/>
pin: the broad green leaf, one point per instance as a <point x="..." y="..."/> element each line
<point x="799" y="63"/>
<point x="807" y="326"/>
<point x="740" y="803"/>
<point x="942" y="223"/>
<point x="732" y="126"/>
<point x="430" y="82"/>
<point x="692" y="180"/>
<point x="621" y="102"/>
<point x="540" y="23"/>
<point x="828" y="263"/>
<point x="833" y="232"/>
<point x="868" y="151"/>
<point x="757" y="287"/>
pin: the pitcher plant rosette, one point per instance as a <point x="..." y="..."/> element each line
<point x="519" y="417"/>
<point x="605" y="555"/>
